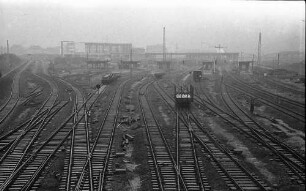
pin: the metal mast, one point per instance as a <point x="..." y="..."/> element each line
<point x="277" y="59"/>
<point x="131" y="55"/>
<point x="164" y="45"/>
<point x="7" y="47"/>
<point x="62" y="49"/>
<point x="259" y="49"/>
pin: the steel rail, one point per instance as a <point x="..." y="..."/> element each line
<point x="156" y="167"/>
<point x="168" y="148"/>
<point x="280" y="108"/>
<point x="241" y="167"/>
<point x="298" y="104"/>
<point x="266" y="133"/>
<point x="186" y="123"/>
<point x="43" y="124"/>
<point x="288" y="162"/>
<point x="106" y="159"/>
<point x="38" y="171"/>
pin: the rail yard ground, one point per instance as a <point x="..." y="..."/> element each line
<point x="58" y="131"/>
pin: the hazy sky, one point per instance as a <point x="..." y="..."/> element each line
<point x="194" y="24"/>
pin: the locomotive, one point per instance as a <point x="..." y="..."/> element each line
<point x="109" y="78"/>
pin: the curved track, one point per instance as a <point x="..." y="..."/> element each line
<point x="14" y="98"/>
<point x="287" y="106"/>
<point x="243" y="122"/>
<point x="281" y="85"/>
<point x="24" y="140"/>
<point x="234" y="174"/>
<point x="292" y="159"/>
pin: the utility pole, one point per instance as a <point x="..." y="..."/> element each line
<point x="259" y="49"/>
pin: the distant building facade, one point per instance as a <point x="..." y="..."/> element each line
<point x="138" y="54"/>
<point x="97" y="51"/>
<point x="113" y="51"/>
<point x="158" y="48"/>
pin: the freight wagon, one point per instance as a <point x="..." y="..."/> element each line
<point x="109" y="78"/>
<point x="159" y="75"/>
<point x="183" y="95"/>
<point x="197" y="75"/>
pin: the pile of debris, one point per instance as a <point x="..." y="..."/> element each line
<point x="126" y="139"/>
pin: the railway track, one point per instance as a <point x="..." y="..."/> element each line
<point x="22" y="141"/>
<point x="14" y="70"/>
<point x="290" y="107"/>
<point x="234" y="174"/>
<point x="166" y="173"/>
<point x="297" y="114"/>
<point x="230" y="169"/>
<point x="96" y="171"/>
<point x="276" y="83"/>
<point x="14" y="99"/>
<point x="69" y="147"/>
<point x="192" y="170"/>
<point x="69" y="131"/>
<point x="190" y="167"/>
<point x="29" y="174"/>
<point x="292" y="159"/>
<point x="76" y="146"/>
<point x="265" y="93"/>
